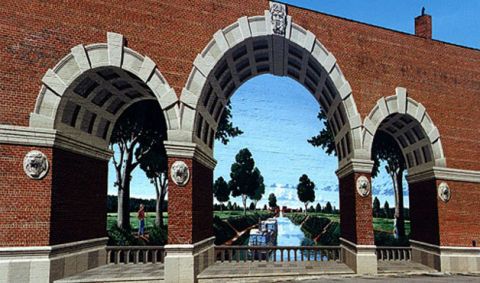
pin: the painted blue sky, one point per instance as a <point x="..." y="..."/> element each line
<point x="278" y="115"/>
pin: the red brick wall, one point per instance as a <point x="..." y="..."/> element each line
<point x="79" y="198"/>
<point x="68" y="205"/>
<point x="37" y="34"/>
<point x="423" y="26"/>
<point x="190" y="208"/>
<point x="179" y="208"/>
<point x="459" y="217"/>
<point x="24" y="202"/>
<point x="355" y="212"/>
<point x="424" y="212"/>
<point x="445" y="78"/>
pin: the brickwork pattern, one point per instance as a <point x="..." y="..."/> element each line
<point x="443" y="77"/>
<point x="423" y="26"/>
<point x="458" y="218"/>
<point x="36" y="34"/>
<point x="24" y="203"/>
<point x="356" y="222"/>
<point x="190" y="208"/>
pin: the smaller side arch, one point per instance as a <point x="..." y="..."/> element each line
<point x="57" y="84"/>
<point x="409" y="123"/>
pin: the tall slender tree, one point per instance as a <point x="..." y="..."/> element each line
<point x="141" y="124"/>
<point x="306" y="191"/>
<point x="244" y="177"/>
<point x="386" y="209"/>
<point x="376" y="207"/>
<point x="386" y="148"/>
<point x="155" y="166"/>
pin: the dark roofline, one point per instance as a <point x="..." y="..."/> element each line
<point x="375" y="26"/>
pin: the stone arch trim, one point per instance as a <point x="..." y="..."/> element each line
<point x="202" y="111"/>
<point x="416" y="112"/>
<point x="82" y="59"/>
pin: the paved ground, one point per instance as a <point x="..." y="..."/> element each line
<point x="272" y="269"/>
<point x="417" y="278"/>
<point x="287" y="272"/>
<point x="403" y="267"/>
<point x="149" y="272"/>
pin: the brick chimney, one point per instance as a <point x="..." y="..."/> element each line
<point x="423" y="25"/>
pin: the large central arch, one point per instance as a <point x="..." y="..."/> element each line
<point x="250" y="47"/>
<point x="270" y="43"/>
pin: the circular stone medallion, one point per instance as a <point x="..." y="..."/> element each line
<point x="180" y="173"/>
<point x="444" y="192"/>
<point x="363" y="186"/>
<point x="35" y="164"/>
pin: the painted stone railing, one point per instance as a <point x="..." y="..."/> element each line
<point x="276" y="253"/>
<point x="135" y="254"/>
<point x="394" y="253"/>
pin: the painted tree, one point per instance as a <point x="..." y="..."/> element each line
<point x="318" y="208"/>
<point x="141" y="124"/>
<point x="229" y="206"/>
<point x="386" y="209"/>
<point x="328" y="208"/>
<point x="306" y="191"/>
<point x="260" y="189"/>
<point x="244" y="177"/>
<point x="272" y="200"/>
<point x="376" y="207"/>
<point x="221" y="191"/>
<point x="384" y="148"/>
<point x="226" y="129"/>
<point x="155" y="166"/>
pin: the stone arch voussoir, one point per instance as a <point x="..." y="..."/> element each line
<point x="402" y="104"/>
<point x="81" y="59"/>
<point x="247" y="29"/>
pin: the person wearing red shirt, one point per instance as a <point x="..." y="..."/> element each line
<point x="141" y="220"/>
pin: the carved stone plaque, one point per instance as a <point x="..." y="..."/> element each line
<point x="278" y="14"/>
<point x="180" y="173"/>
<point x="363" y="186"/>
<point x="444" y="192"/>
<point x="35" y="164"/>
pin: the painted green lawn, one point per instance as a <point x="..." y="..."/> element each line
<point x="379" y="224"/>
<point x="228" y="214"/>
<point x="386" y="225"/>
<point x="149" y="220"/>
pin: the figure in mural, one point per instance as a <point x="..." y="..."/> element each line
<point x="141" y="220"/>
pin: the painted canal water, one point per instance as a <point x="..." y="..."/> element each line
<point x="290" y="234"/>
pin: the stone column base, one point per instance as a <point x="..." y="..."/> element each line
<point x="446" y="259"/>
<point x="361" y="258"/>
<point x="184" y="262"/>
<point x="50" y="263"/>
